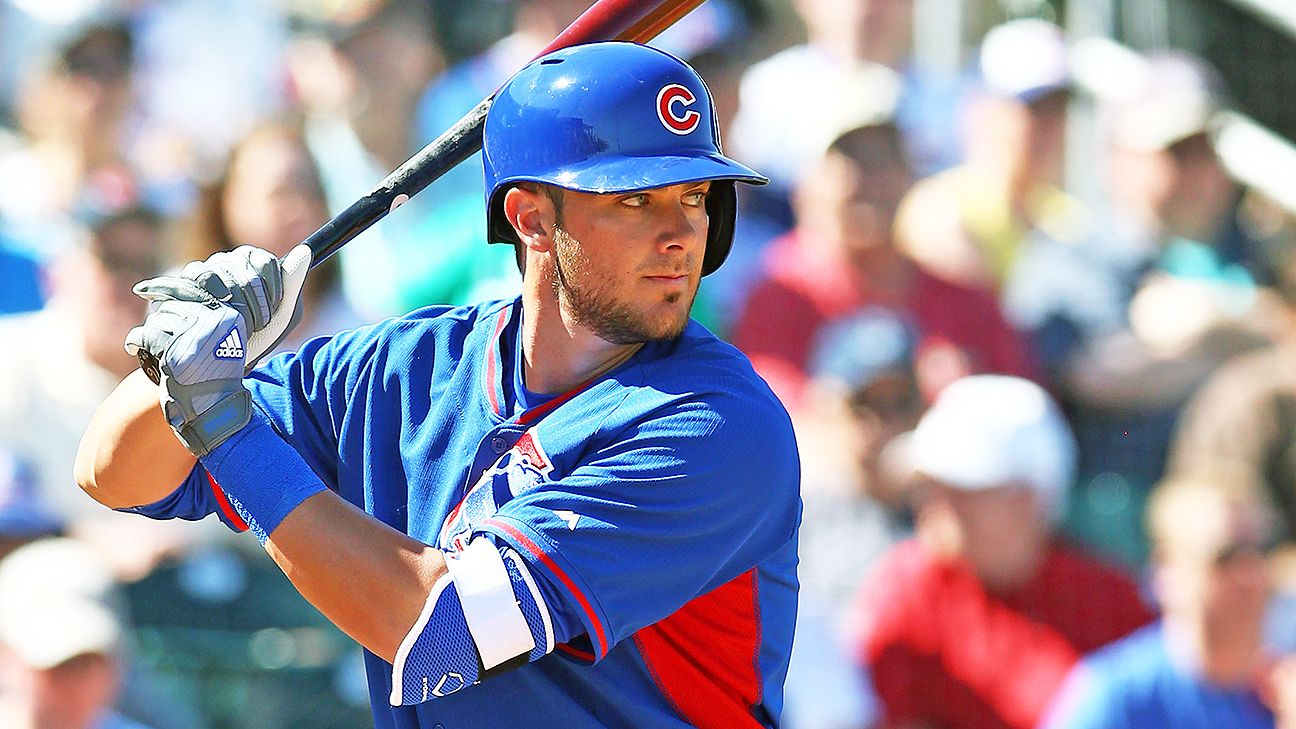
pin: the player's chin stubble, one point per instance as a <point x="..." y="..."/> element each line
<point x="593" y="304"/>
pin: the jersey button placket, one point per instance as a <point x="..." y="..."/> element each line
<point x="499" y="444"/>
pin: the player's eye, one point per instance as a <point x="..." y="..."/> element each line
<point x="696" y="198"/>
<point x="635" y="201"/>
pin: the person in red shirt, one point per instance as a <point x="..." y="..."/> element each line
<point x="975" y="622"/>
<point x="841" y="258"/>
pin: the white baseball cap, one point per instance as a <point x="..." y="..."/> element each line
<point x="986" y="431"/>
<point x="1025" y="59"/>
<point x="56" y="603"/>
<point x="1177" y="97"/>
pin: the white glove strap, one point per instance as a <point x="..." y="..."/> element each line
<point x="295" y="266"/>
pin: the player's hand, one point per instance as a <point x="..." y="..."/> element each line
<point x="199" y="346"/>
<point x="247" y="278"/>
<point x="197" y="330"/>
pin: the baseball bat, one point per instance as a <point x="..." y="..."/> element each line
<point x="629" y="20"/>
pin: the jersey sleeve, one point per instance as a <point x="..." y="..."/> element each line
<point x="195" y="498"/>
<point x="676" y="506"/>
<point x="305" y="394"/>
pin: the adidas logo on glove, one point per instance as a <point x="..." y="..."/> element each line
<point x="231" y="347"/>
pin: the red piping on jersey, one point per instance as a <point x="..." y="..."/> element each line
<point x="492" y="367"/>
<point x="223" y="502"/>
<point x="600" y="635"/>
<point x="587" y="657"/>
<point x="704" y="657"/>
<point x="491" y="356"/>
<point x="543" y="409"/>
<point x="454" y="512"/>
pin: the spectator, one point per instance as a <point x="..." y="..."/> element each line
<point x="461" y="87"/>
<point x="841" y="258"/>
<point x="1240" y="429"/>
<point x="970" y="223"/>
<point x="60" y="640"/>
<point x="1169" y="259"/>
<point x="270" y="195"/>
<point x="861" y="44"/>
<point x="1203" y="665"/>
<point x="1134" y="319"/>
<point x="24" y="516"/>
<point x="1173" y="201"/>
<point x="62" y="360"/>
<point x="976" y="621"/>
<point x="362" y="124"/>
<point x="863" y="393"/>
<point x="207" y="70"/>
<point x="382" y="54"/>
<point x="78" y="153"/>
<point x="71" y="351"/>
<point x="866" y="374"/>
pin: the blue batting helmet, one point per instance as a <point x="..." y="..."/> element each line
<point x="608" y="118"/>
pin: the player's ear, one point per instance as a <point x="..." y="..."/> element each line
<point x="529" y="211"/>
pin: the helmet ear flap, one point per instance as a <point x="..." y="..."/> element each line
<point x="498" y="229"/>
<point x="722" y="208"/>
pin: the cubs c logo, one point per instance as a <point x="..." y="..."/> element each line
<point x="669" y="99"/>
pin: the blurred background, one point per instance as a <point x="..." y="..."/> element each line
<point x="1024" y="277"/>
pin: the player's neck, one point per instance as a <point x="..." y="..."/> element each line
<point x="558" y="354"/>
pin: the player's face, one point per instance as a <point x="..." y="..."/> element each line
<point x="627" y="265"/>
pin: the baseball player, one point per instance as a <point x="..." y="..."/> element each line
<point x="572" y="509"/>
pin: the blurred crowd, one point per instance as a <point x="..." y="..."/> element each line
<point x="1048" y="436"/>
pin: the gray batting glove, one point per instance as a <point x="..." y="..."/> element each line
<point x="200" y="352"/>
<point x="247" y="278"/>
<point x="198" y="329"/>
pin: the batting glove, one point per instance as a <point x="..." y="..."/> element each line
<point x="198" y="329"/>
<point x="247" y="278"/>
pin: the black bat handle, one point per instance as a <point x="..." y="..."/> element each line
<point x="455" y="145"/>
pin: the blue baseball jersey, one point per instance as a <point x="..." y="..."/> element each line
<point x="1139" y="683"/>
<point x="657" y="508"/>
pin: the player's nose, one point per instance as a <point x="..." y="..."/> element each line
<point x="681" y="227"/>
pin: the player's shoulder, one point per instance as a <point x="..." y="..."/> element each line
<point x="712" y="366"/>
<point x="440" y="317"/>
<point x="429" y="322"/>
<point x="427" y="335"/>
<point x="704" y="367"/>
